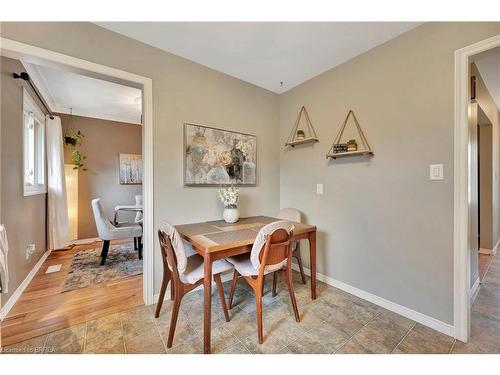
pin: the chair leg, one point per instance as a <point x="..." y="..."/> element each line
<point x="135" y="244"/>
<point x="289" y="282"/>
<point x="139" y="240"/>
<point x="163" y="290"/>
<point x="260" y="329"/>
<point x="296" y="254"/>
<point x="104" y="251"/>
<point x="220" y="290"/>
<point x="173" y="319"/>
<point x="233" y="288"/>
<point x="275" y="282"/>
<point x="172" y="291"/>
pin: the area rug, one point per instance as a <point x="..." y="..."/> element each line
<point x="86" y="270"/>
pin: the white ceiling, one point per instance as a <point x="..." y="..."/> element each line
<point x="264" y="53"/>
<point x="86" y="96"/>
<point x="489" y="68"/>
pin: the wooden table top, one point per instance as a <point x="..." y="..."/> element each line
<point x="218" y="235"/>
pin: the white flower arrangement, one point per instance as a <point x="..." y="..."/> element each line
<point x="229" y="196"/>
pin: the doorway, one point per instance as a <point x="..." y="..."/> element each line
<point x="466" y="178"/>
<point x="20" y="51"/>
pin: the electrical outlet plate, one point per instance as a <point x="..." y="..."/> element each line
<point x="30" y="250"/>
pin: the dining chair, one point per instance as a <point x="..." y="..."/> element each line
<point x="186" y="274"/>
<point x="138" y="219"/>
<point x="292" y="214"/>
<point x="108" y="232"/>
<point x="270" y="253"/>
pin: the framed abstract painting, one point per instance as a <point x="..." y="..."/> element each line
<point x="130" y="169"/>
<point x="214" y="157"/>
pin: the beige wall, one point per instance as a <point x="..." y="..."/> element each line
<point x="23" y="217"/>
<point x="488" y="106"/>
<point x="384" y="227"/>
<point x="485" y="146"/>
<point x="104" y="141"/>
<point x="183" y="91"/>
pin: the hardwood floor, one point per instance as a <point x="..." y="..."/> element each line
<point x="44" y="308"/>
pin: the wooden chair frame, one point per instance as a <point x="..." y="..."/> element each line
<point x="276" y="249"/>
<point x="178" y="289"/>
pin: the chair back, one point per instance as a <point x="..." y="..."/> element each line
<point x="271" y="248"/>
<point x="102" y="222"/>
<point x="138" y="202"/>
<point x="171" y="241"/>
<point x="290" y="214"/>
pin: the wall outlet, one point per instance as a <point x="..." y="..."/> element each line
<point x="30" y="250"/>
<point x="319" y="189"/>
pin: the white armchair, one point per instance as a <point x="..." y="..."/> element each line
<point x="107" y="231"/>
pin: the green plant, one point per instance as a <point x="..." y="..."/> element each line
<point x="77" y="158"/>
<point x="73" y="138"/>
<point x="351" y="142"/>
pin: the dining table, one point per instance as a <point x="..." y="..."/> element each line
<point x="128" y="208"/>
<point x="215" y="240"/>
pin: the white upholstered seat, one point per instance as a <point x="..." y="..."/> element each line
<point x="107" y="231"/>
<point x="194" y="269"/>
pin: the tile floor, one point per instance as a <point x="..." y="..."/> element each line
<point x="336" y="322"/>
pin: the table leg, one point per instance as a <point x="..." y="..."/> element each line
<point x="312" y="260"/>
<point x="207" y="317"/>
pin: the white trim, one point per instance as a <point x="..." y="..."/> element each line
<point x="461" y="235"/>
<point x="85" y="241"/>
<point x="20" y="289"/>
<point x="28" y="53"/>
<point x="495" y="249"/>
<point x="474" y="290"/>
<point x="426" y="320"/>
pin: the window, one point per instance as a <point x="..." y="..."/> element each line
<point x="34" y="147"/>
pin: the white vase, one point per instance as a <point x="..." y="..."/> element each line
<point x="231" y="215"/>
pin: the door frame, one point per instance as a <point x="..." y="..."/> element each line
<point x="18" y="50"/>
<point x="463" y="186"/>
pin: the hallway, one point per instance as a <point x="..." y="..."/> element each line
<point x="485" y="325"/>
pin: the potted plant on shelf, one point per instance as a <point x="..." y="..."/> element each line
<point x="352" y="145"/>
<point x="300" y="134"/>
<point x="229" y="196"/>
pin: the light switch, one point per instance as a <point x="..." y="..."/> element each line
<point x="319" y="188"/>
<point x="436" y="172"/>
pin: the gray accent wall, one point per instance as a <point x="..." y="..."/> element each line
<point x="23" y="217"/>
<point x="384" y="227"/>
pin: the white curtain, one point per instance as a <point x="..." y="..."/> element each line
<point x="58" y="222"/>
<point x="4" y="267"/>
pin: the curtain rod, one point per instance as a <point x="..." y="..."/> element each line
<point x="26" y="77"/>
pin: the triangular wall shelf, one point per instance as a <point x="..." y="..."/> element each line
<point x="337" y="152"/>
<point x="309" y="133"/>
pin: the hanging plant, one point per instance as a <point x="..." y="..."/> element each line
<point x="77" y="158"/>
<point x="73" y="138"/>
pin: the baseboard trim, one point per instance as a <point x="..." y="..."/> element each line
<point x="495" y="248"/>
<point x="15" y="296"/>
<point x="426" y="320"/>
<point x="474" y="290"/>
